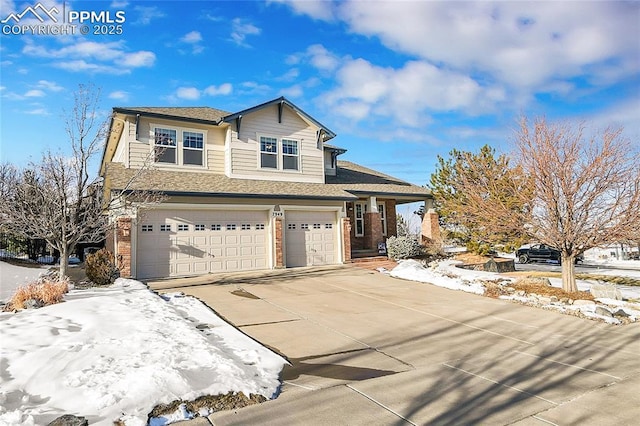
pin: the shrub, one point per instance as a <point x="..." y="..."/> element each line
<point x="37" y="294"/>
<point x="100" y="268"/>
<point x="403" y="248"/>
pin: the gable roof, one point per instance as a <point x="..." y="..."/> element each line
<point x="282" y="101"/>
<point x="360" y="180"/>
<point x="194" y="114"/>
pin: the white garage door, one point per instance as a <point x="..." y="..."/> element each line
<point x="183" y="243"/>
<point x="310" y="238"/>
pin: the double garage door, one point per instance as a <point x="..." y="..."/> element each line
<point x="182" y="243"/>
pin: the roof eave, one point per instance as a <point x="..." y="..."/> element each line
<point x="239" y="195"/>
<point x="165" y="116"/>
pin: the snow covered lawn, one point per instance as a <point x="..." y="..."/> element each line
<point x="114" y="353"/>
<point x="446" y="274"/>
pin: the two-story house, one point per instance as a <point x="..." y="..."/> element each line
<point x="256" y="189"/>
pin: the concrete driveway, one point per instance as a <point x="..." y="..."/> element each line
<point x="369" y="349"/>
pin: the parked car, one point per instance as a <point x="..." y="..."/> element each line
<point x="541" y="253"/>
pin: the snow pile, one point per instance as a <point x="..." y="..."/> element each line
<point x="114" y="353"/>
<point x="446" y="274"/>
<point x="441" y="274"/>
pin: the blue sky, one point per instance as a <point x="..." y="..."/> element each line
<point x="399" y="81"/>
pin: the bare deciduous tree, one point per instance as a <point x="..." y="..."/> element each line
<point x="586" y="187"/>
<point x="56" y="199"/>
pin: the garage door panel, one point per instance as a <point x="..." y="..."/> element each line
<point x="306" y="236"/>
<point x="193" y="243"/>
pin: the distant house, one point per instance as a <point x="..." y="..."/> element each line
<point x="255" y="189"/>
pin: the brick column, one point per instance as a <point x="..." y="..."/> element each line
<point x="392" y="221"/>
<point x="279" y="248"/>
<point x="430" y="231"/>
<point x="372" y="230"/>
<point x="123" y="246"/>
<point x="346" y="235"/>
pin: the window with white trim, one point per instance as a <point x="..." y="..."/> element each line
<point x="165" y="228"/>
<point x="289" y="154"/>
<point x="383" y="218"/>
<point x="183" y="227"/>
<point x="259" y="226"/>
<point x="359" y="210"/>
<point x="268" y="152"/>
<point x="216" y="227"/>
<point x="147" y="228"/>
<point x="192" y="148"/>
<point x="200" y="227"/>
<point x="165" y="145"/>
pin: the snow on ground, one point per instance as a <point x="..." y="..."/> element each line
<point x="115" y="352"/>
<point x="13" y="276"/>
<point x="446" y="274"/>
<point x="441" y="275"/>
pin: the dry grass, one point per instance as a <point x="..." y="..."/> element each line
<point x="44" y="292"/>
<point x="471" y="258"/>
<point x="212" y="403"/>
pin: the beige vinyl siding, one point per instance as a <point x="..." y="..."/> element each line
<point x="215" y="161"/>
<point x="140" y="149"/>
<point x="311" y="165"/>
<point x="264" y="122"/>
<point x="138" y="154"/>
<point x="120" y="156"/>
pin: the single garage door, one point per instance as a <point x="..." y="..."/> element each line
<point x="183" y="243"/>
<point x="310" y="238"/>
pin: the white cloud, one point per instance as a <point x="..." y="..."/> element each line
<point x="50" y="86"/>
<point x="317" y="9"/>
<point x="35" y="93"/>
<point x="119" y="4"/>
<point x="321" y="58"/>
<point x="407" y="93"/>
<point x="119" y="95"/>
<point x="38" y="111"/>
<point x="146" y="14"/>
<point x="192" y="37"/>
<point x="189" y="93"/>
<point x="294" y="91"/>
<point x="522" y="44"/>
<point x="240" y="31"/>
<point x="94" y="57"/>
<point x="223" y="89"/>
<point x="137" y="59"/>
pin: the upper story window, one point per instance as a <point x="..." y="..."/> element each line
<point x="289" y="154"/>
<point x="165" y="145"/>
<point x="268" y="153"/>
<point x="178" y="145"/>
<point x="279" y="154"/>
<point x="193" y="144"/>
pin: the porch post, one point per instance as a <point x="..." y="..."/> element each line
<point x="372" y="225"/>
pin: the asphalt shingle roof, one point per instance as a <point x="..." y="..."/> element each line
<point x="193" y="113"/>
<point x="195" y="183"/>
<point x="355" y="178"/>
